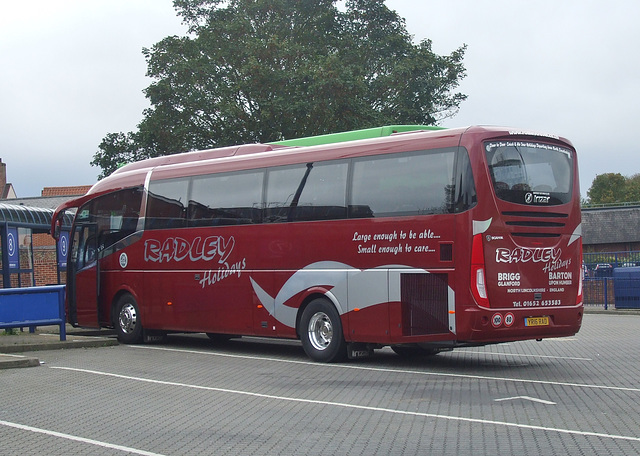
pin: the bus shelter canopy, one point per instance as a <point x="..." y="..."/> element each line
<point x="36" y="218"/>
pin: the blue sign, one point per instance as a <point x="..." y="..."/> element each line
<point x="63" y="249"/>
<point x="13" y="247"/>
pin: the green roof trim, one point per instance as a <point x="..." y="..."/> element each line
<point x="355" y="135"/>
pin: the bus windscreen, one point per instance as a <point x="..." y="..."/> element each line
<point x="530" y="173"/>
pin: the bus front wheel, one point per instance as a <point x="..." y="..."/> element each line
<point x="128" y="325"/>
<point x="321" y="332"/>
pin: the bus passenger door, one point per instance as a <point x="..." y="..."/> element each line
<point x="84" y="276"/>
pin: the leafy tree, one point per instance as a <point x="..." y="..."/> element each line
<point x="265" y="70"/>
<point x="609" y="188"/>
<point x="633" y="188"/>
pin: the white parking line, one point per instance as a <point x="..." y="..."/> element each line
<point x="403" y="371"/>
<point x="528" y="398"/>
<point x="355" y="406"/>
<point x="521" y="355"/>
<point x="75" y="438"/>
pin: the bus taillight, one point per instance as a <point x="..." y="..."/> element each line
<point x="478" y="280"/>
<point x="579" y="299"/>
<point x="581" y="278"/>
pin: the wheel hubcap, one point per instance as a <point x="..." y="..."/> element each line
<point x="320" y="331"/>
<point x="128" y="318"/>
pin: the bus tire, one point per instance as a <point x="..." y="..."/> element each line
<point x="128" y="325"/>
<point x="321" y="332"/>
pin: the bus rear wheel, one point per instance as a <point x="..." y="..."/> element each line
<point x="128" y="325"/>
<point x="321" y="332"/>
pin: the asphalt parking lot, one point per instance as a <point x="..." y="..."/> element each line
<point x="577" y="395"/>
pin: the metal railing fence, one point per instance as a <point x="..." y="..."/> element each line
<point x="612" y="279"/>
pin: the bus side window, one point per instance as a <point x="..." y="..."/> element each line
<point x="307" y="192"/>
<point x="166" y="204"/>
<point x="464" y="195"/>
<point x="226" y="199"/>
<point x="415" y="183"/>
<point x="164" y="213"/>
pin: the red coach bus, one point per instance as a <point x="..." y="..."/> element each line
<point x="418" y="238"/>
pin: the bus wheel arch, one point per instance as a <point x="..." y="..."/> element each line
<point x="127" y="319"/>
<point x="320" y="330"/>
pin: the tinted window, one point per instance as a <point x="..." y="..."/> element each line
<point x="403" y="184"/>
<point x="465" y="196"/>
<point x="315" y="191"/>
<point x="167" y="203"/>
<point x="530" y="173"/>
<point x="115" y="216"/>
<point x="226" y="199"/>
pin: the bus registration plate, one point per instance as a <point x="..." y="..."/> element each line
<point x="536" y="321"/>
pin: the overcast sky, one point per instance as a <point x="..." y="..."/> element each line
<point x="72" y="71"/>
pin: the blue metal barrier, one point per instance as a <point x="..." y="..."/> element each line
<point x="627" y="287"/>
<point x="33" y="306"/>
